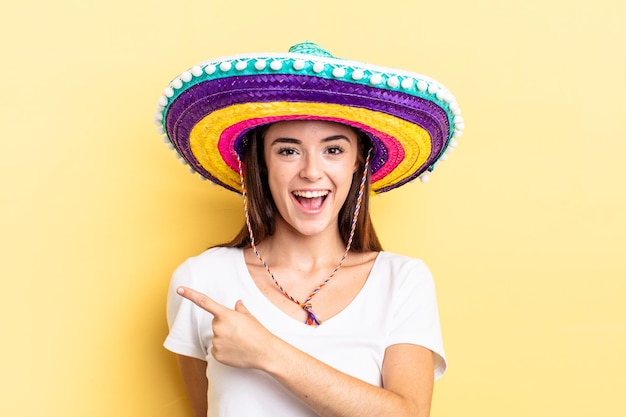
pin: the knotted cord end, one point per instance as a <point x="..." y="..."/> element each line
<point x="311" y="319"/>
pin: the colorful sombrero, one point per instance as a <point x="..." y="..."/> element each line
<point x="205" y="112"/>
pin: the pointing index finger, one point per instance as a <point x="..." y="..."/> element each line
<point x="202" y="301"/>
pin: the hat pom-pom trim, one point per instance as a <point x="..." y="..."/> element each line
<point x="311" y="60"/>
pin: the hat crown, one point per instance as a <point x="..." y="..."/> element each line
<point x="410" y="119"/>
<point x="310" y="48"/>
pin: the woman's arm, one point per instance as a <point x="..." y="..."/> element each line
<point x="407" y="381"/>
<point x="194" y="376"/>
<point x="241" y="341"/>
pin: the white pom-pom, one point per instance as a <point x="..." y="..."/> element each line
<point x="424" y="178"/>
<point x="441" y="95"/>
<point x="177" y="83"/>
<point x="455" y="109"/>
<point x="433" y="89"/>
<point x="453" y="143"/>
<point x="318" y="67"/>
<point x="210" y="69"/>
<point x="177" y="155"/>
<point x="158" y="122"/>
<point x="161" y="131"/>
<point x="457" y="134"/>
<point x="260" y="64"/>
<point x="158" y="116"/>
<point x="407" y="83"/>
<point x="196" y="71"/>
<point x="393" y="82"/>
<point x="166" y="139"/>
<point x="186" y="76"/>
<point x="422" y="85"/>
<point x="443" y="157"/>
<point x="170" y="146"/>
<point x="191" y="170"/>
<point x="298" y="64"/>
<point x="201" y="177"/>
<point x="163" y="101"/>
<point x="376" y="79"/>
<point x="358" y="74"/>
<point x="225" y="66"/>
<point x="169" y="92"/>
<point x="276" y="65"/>
<point x="241" y="65"/>
<point x="459" y="126"/>
<point x="458" y="119"/>
<point x="339" y="72"/>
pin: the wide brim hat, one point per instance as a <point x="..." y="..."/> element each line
<point x="205" y="112"/>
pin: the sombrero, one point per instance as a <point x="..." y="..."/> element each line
<point x="206" y="111"/>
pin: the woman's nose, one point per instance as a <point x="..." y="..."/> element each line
<point x="311" y="168"/>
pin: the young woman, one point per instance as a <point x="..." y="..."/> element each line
<point x="303" y="314"/>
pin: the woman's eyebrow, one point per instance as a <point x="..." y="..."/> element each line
<point x="286" y="140"/>
<point x="299" y="142"/>
<point x="335" y="137"/>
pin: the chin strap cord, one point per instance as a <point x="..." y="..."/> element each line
<point x="312" y="319"/>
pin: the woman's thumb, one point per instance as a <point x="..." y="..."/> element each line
<point x="240" y="307"/>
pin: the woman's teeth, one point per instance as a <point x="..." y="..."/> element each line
<point x="311" y="200"/>
<point x="310" y="194"/>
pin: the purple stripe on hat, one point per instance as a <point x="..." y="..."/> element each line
<point x="208" y="96"/>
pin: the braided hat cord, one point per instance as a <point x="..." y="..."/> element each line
<point x="312" y="319"/>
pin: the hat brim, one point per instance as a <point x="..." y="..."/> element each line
<point x="410" y="121"/>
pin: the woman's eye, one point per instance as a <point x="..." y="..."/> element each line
<point x="335" y="150"/>
<point x="286" y="151"/>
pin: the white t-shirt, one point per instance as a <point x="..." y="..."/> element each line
<point x="397" y="304"/>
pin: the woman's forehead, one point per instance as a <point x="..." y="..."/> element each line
<point x="310" y="130"/>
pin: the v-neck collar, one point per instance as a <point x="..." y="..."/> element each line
<point x="280" y="318"/>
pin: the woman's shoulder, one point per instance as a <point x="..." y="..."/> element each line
<point x="399" y="260"/>
<point x="399" y="267"/>
<point x="213" y="262"/>
<point x="215" y="258"/>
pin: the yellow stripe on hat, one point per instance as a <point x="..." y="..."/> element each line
<point x="205" y="138"/>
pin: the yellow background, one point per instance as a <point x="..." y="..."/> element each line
<point x="523" y="227"/>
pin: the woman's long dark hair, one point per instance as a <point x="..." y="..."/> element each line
<point x="262" y="209"/>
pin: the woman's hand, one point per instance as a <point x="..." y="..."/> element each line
<point x="239" y="340"/>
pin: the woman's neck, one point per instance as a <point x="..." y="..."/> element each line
<point x="288" y="248"/>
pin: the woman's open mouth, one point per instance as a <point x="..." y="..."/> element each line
<point x="311" y="200"/>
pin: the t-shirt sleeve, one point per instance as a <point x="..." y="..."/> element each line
<point x="182" y="317"/>
<point x="416" y="314"/>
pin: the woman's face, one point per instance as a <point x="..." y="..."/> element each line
<point x="310" y="165"/>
